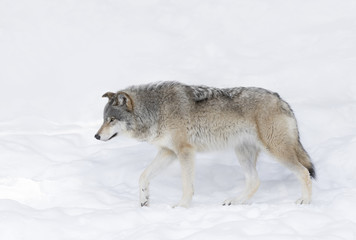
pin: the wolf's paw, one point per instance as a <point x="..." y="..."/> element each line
<point x="144" y="198"/>
<point x="144" y="204"/>
<point x="182" y="204"/>
<point x="179" y="205"/>
<point x="234" y="201"/>
<point x="301" y="201"/>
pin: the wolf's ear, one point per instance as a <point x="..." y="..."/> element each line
<point x="109" y="95"/>
<point x="125" y="99"/>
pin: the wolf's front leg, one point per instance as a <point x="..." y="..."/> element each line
<point x="161" y="161"/>
<point x="186" y="159"/>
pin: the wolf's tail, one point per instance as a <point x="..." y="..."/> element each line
<point x="304" y="159"/>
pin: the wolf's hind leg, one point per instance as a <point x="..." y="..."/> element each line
<point x="163" y="159"/>
<point x="247" y="155"/>
<point x="281" y="139"/>
<point x="288" y="157"/>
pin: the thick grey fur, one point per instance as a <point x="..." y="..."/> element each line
<point x="182" y="119"/>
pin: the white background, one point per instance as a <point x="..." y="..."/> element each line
<point x="58" y="57"/>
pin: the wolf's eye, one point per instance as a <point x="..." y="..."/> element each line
<point x="111" y="119"/>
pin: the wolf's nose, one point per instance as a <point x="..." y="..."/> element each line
<point x="97" y="136"/>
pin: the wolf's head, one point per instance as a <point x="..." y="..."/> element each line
<point x="118" y="116"/>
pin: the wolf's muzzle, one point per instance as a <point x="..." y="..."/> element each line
<point x="97" y="136"/>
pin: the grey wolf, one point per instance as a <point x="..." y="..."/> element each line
<point x="182" y="120"/>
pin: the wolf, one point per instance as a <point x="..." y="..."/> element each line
<point x="182" y="119"/>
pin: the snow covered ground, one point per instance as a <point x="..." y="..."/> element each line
<point x="58" y="57"/>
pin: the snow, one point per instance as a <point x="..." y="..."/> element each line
<point x="58" y="57"/>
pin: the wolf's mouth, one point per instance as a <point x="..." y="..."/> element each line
<point x="113" y="136"/>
